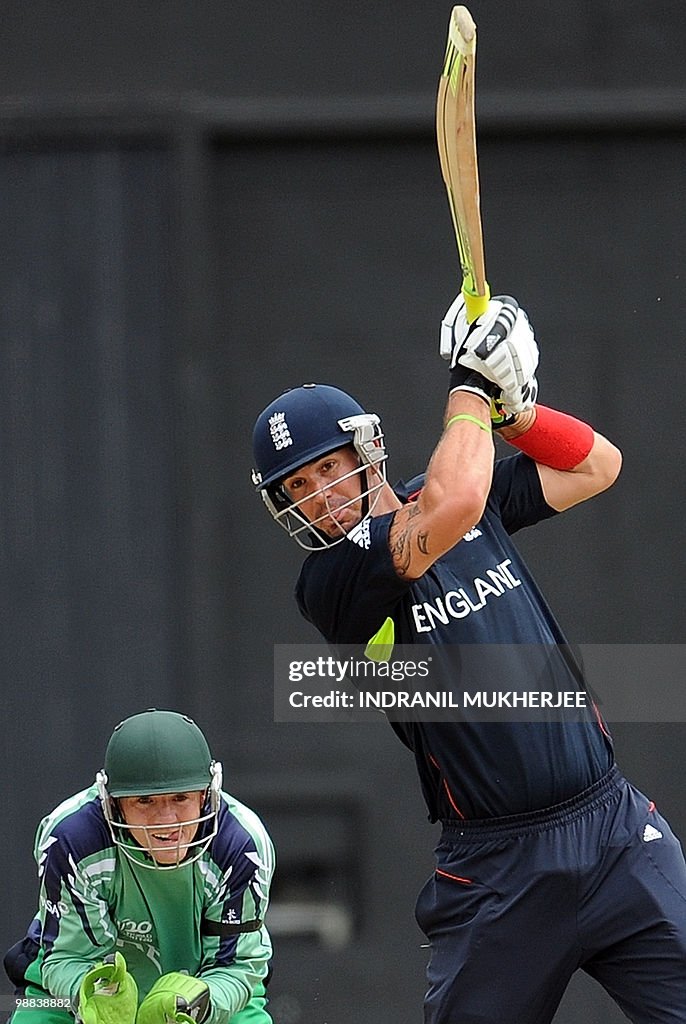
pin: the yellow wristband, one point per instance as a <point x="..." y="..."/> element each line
<point x="470" y="419"/>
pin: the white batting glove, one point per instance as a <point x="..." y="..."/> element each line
<point x="503" y="348"/>
<point x="455" y="330"/>
<point x="521" y="398"/>
<point x="454" y="334"/>
<point x="499" y="344"/>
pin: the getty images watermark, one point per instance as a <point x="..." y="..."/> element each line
<point x="481" y="682"/>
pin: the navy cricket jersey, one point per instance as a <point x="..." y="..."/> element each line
<point x="479" y="592"/>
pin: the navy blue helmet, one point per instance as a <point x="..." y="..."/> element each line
<point x="301" y="426"/>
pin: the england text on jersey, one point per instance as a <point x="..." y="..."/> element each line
<point x="457" y="604"/>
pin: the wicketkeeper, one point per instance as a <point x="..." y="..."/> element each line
<point x="153" y="889"/>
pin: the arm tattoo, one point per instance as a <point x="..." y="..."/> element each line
<point x="403" y="540"/>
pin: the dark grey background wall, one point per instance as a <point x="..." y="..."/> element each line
<point x="201" y="204"/>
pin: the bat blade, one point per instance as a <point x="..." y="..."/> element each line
<point x="456" y="138"/>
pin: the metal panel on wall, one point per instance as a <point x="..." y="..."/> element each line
<point x="89" y="540"/>
<point x="323" y="48"/>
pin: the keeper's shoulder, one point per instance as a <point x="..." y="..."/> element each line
<point x="77" y="824"/>
<point x="239" y="824"/>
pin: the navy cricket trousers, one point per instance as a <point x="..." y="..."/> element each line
<point x="517" y="904"/>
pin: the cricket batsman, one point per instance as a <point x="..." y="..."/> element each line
<point x="549" y="860"/>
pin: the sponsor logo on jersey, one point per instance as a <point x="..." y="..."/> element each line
<point x="59" y="909"/>
<point x="278" y="428"/>
<point x="458" y="604"/>
<point x="472" y="534"/>
<point x="137" y="930"/>
<point x="360" y="535"/>
<point x="650" y="833"/>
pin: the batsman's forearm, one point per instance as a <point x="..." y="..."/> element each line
<point x="460" y="471"/>
<point x="456" y="487"/>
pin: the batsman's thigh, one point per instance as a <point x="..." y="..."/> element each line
<point x="665" y="854"/>
<point x="450" y="902"/>
<point x="468" y="883"/>
<point x="477" y="911"/>
<point x="645" y="972"/>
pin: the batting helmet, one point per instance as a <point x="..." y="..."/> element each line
<point x="303" y="425"/>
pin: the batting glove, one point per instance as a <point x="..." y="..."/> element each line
<point x="505" y="406"/>
<point x="175" y="998"/>
<point x="454" y="333"/>
<point x="502" y="348"/>
<point x="108" y="994"/>
<point x="499" y="344"/>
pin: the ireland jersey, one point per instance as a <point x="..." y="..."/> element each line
<point x="205" y="918"/>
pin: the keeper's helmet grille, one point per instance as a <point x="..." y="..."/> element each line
<point x="152" y="754"/>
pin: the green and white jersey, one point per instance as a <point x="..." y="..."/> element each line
<point x="206" y="918"/>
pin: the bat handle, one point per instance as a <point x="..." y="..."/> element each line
<point x="475" y="305"/>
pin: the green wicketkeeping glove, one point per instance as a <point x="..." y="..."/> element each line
<point x="177" y="998"/>
<point x="108" y="994"/>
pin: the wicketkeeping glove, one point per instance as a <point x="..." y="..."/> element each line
<point x="177" y="998"/>
<point x="108" y="994"/>
<point x="499" y="344"/>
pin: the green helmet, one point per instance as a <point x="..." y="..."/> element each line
<point x="157" y="752"/>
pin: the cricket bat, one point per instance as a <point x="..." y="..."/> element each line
<point x="456" y="137"/>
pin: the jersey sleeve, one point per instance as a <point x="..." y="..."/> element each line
<point x="516" y="493"/>
<point x="348" y="591"/>
<point x="76" y="928"/>
<point x="236" y="948"/>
